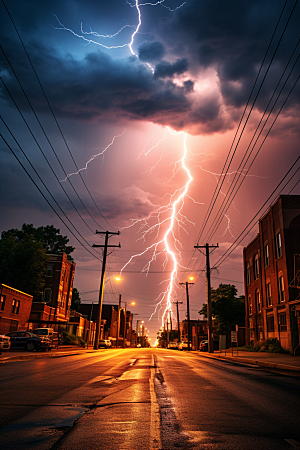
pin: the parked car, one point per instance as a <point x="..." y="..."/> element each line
<point x="25" y="340"/>
<point x="104" y="343"/>
<point x="49" y="333"/>
<point x="184" y="345"/>
<point x="138" y="345"/>
<point x="4" y="343"/>
<point x="173" y="345"/>
<point x="203" y="346"/>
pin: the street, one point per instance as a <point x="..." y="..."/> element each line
<point x="146" y="399"/>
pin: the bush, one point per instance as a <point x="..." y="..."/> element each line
<point x="71" y="339"/>
<point x="271" y="345"/>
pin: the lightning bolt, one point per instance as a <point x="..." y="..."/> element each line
<point x="93" y="157"/>
<point x="169" y="242"/>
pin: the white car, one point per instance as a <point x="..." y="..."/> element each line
<point x="184" y="345"/>
<point x="104" y="343"/>
<point x="4" y="343"/>
<point x="172" y="345"/>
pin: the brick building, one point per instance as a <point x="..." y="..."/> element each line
<point x="199" y="331"/>
<point x="59" y="285"/>
<point x="15" y="309"/>
<point x="271" y="296"/>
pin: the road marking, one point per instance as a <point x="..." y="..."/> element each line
<point x="155" y="442"/>
<point x="294" y="443"/>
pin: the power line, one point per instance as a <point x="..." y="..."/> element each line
<point x="222" y="259"/>
<point x="211" y="206"/>
<point x="52" y="112"/>
<point x="221" y="212"/>
<point x="49" y="194"/>
<point x="34" y="138"/>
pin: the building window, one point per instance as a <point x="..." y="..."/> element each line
<point x="282" y="322"/>
<point x="3" y="297"/>
<point x="248" y="274"/>
<point x="258" y="301"/>
<point x="278" y="245"/>
<point x="281" y="288"/>
<point x="269" y="294"/>
<point x="266" y="255"/>
<point x="256" y="267"/>
<point x="15" y="306"/>
<point x="47" y="295"/>
<point x="249" y="305"/>
<point x="49" y="270"/>
<point x="251" y="329"/>
<point x="270" y="323"/>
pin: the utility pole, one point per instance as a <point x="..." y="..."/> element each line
<point x="188" y="313"/>
<point x="108" y="234"/>
<point x="124" y="337"/>
<point x="178" y="323"/>
<point x="118" y="323"/>
<point x="209" y="306"/>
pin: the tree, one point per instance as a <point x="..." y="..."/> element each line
<point x="23" y="255"/>
<point x="53" y="242"/>
<point x="76" y="300"/>
<point x="23" y="264"/>
<point x="228" y="309"/>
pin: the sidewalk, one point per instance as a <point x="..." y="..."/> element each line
<point x="277" y="361"/>
<point x="61" y="351"/>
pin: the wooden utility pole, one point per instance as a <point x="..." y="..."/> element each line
<point x="188" y="313"/>
<point x="108" y="234"/>
<point x="118" y="323"/>
<point x="178" y="323"/>
<point x="209" y="308"/>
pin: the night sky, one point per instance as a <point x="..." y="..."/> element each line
<point x="147" y="92"/>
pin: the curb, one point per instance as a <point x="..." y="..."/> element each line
<point x="270" y="365"/>
<point x="44" y="355"/>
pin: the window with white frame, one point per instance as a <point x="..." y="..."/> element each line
<point x="256" y="267"/>
<point x="278" y="245"/>
<point x="269" y="294"/>
<point x="266" y="255"/>
<point x="281" y="288"/>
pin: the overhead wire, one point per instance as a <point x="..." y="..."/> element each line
<point x="12" y="151"/>
<point x="39" y="147"/>
<point x="241" y="237"/>
<point x="223" y="170"/>
<point x="227" y="199"/>
<point x="55" y="119"/>
<point x="211" y="206"/>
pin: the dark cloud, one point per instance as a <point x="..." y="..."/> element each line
<point x="151" y="51"/>
<point x="220" y="44"/>
<point x="165" y="69"/>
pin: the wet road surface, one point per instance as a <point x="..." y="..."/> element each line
<point x="146" y="399"/>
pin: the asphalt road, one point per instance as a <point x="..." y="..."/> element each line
<point x="142" y="399"/>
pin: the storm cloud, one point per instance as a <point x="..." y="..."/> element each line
<point x="193" y="47"/>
